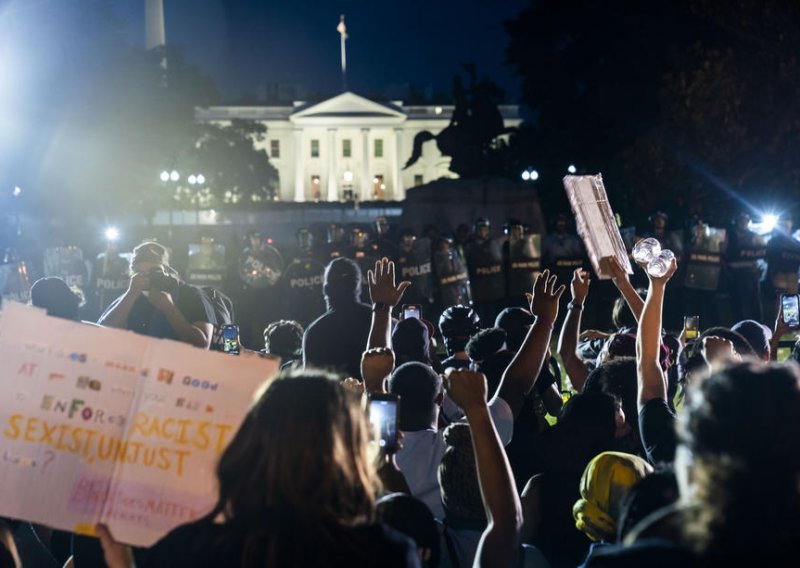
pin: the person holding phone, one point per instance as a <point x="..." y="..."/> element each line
<point x="295" y="487"/>
<point x="157" y="303"/>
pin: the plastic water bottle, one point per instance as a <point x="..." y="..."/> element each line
<point x="646" y="250"/>
<point x="659" y="266"/>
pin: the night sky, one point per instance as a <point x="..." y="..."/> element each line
<point x="244" y="44"/>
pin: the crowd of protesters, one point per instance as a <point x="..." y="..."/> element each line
<point x="526" y="438"/>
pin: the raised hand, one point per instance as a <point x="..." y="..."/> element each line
<point x="115" y="554"/>
<point x="381" y="281"/>
<point x="466" y="388"/>
<point x="353" y="384"/>
<point x="579" y="287"/>
<point x="673" y="266"/>
<point x="610" y="265"/>
<point x="376" y="364"/>
<point x="545" y="297"/>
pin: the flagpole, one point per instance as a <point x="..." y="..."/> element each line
<point x="343" y="35"/>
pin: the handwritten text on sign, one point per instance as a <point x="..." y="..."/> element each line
<point x="102" y="425"/>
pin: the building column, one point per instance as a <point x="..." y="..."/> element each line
<point x="333" y="187"/>
<point x="397" y="183"/>
<point x="366" y="176"/>
<point x="299" y="175"/>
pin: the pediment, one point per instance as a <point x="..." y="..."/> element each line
<point x="348" y="106"/>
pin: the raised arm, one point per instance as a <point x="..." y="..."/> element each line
<point x="519" y="377"/>
<point x="623" y="283"/>
<point x="652" y="382"/>
<point x="500" y="541"/>
<point x="568" y="340"/>
<point x="117" y="314"/>
<point x="385" y="295"/>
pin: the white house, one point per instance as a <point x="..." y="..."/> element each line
<point x="348" y="146"/>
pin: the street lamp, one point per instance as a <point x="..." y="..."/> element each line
<point x="572" y="169"/>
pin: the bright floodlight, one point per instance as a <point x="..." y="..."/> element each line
<point x="534" y="175"/>
<point x="17" y="191"/>
<point x="572" y="169"/>
<point x="192" y="179"/>
<point x="112" y="234"/>
<point x="526" y="175"/>
<point x="769" y="221"/>
<point x="174" y="175"/>
<point x="201" y="179"/>
<point x="164" y="176"/>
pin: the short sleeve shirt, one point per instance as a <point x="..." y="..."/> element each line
<point x="423" y="450"/>
<point x="657" y="427"/>
<point x="145" y="319"/>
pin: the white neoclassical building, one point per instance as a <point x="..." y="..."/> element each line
<point x="348" y="146"/>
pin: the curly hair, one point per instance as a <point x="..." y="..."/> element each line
<point x="742" y="427"/>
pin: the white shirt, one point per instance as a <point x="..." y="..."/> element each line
<point x="423" y="450"/>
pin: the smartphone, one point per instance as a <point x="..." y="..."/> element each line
<point x="384" y="420"/>
<point x="230" y="339"/>
<point x="790" y="303"/>
<point x="412" y="311"/>
<point x="691" y="325"/>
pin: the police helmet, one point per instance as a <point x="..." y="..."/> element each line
<point x="459" y="321"/>
<point x="510" y="224"/>
<point x="656" y="215"/>
<point x="481" y="222"/>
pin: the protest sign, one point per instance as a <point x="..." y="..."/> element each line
<point x="595" y="222"/>
<point x="103" y="425"/>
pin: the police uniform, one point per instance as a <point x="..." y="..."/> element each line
<point x="523" y="258"/>
<point x="111" y="278"/>
<point x="563" y="253"/>
<point x="415" y="265"/>
<point x="487" y="281"/>
<point x="743" y="252"/>
<point x="452" y="278"/>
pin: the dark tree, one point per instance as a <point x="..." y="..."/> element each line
<point x="236" y="173"/>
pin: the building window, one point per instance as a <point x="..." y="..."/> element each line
<point x="418" y="180"/>
<point x="347" y="149"/>
<point x="379" y="148"/>
<point x="378" y="187"/>
<point x="275" y="148"/>
<point x="315" y="148"/>
<point x="316" y="192"/>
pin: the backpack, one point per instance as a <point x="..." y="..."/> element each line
<point x="223" y="313"/>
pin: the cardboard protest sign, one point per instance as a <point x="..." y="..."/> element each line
<point x="103" y="425"/>
<point x="595" y="222"/>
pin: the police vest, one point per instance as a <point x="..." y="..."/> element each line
<point x="485" y="264"/>
<point x="416" y="267"/>
<point x="452" y="279"/>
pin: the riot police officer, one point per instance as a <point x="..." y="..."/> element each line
<point x="523" y="260"/>
<point x="705" y="246"/>
<point x="743" y="251"/>
<point x="301" y="284"/>
<point x="206" y="264"/>
<point x="260" y="269"/>
<point x="383" y="244"/>
<point x="334" y="245"/>
<point x="365" y="255"/>
<point x="110" y="277"/>
<point x="783" y="261"/>
<point x="563" y="250"/>
<point x="452" y="279"/>
<point x="485" y="263"/>
<point x="414" y="264"/>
